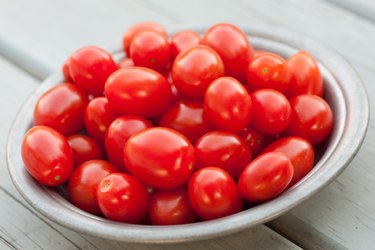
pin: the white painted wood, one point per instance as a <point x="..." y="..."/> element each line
<point x="365" y="8"/>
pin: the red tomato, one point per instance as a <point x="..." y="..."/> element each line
<point x="171" y="207"/>
<point x="84" y="182"/>
<point x="118" y="133"/>
<point x="265" y="177"/>
<point x="66" y="72"/>
<point x="306" y="77"/>
<point x="271" y="111"/>
<point x="125" y="63"/>
<point x="222" y="149"/>
<point x="312" y="118"/>
<point x="254" y="139"/>
<point x="188" y="118"/>
<point x="299" y="151"/>
<point x="233" y="47"/>
<point x="194" y="69"/>
<point x="84" y="149"/>
<point x="138" y="91"/>
<point x="98" y="116"/>
<point x="161" y="158"/>
<point x="151" y="50"/>
<point x="133" y="30"/>
<point x="213" y="193"/>
<point x="90" y="67"/>
<point x="122" y="197"/>
<point x="228" y="104"/>
<point x="268" y="71"/>
<point x="47" y="156"/>
<point x="259" y="52"/>
<point x="61" y="108"/>
<point x="183" y="40"/>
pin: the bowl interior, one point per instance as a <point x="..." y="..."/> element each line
<point x="343" y="91"/>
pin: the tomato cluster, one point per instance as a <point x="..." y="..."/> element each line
<point x="183" y="129"/>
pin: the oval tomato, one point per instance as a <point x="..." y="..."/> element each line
<point x="125" y="63"/>
<point x="61" y="108"/>
<point x="84" y="149"/>
<point x="161" y="158"/>
<point x="256" y="140"/>
<point x="213" y="193"/>
<point x="265" y="177"/>
<point x="228" y="104"/>
<point x="183" y="40"/>
<point x="84" y="182"/>
<point x="47" y="156"/>
<point x="66" y="71"/>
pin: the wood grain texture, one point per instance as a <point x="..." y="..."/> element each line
<point x="363" y="8"/>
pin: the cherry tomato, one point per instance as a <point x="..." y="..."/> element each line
<point x="84" y="149"/>
<point x="194" y="69"/>
<point x="222" y="149"/>
<point x="150" y="49"/>
<point x="213" y="193"/>
<point x="306" y="77"/>
<point x="188" y="118"/>
<point x="84" y="182"/>
<point x="133" y="30"/>
<point x="256" y="140"/>
<point x="161" y="158"/>
<point x="66" y="72"/>
<point x="98" y="116"/>
<point x="228" y="104"/>
<point x="299" y="151"/>
<point x="271" y="111"/>
<point x="47" y="156"/>
<point x="138" y="91"/>
<point x="90" y="67"/>
<point x="259" y="52"/>
<point x="118" y="133"/>
<point x="183" y="40"/>
<point x="312" y="118"/>
<point x="171" y="207"/>
<point x="268" y="71"/>
<point x="122" y="197"/>
<point x="233" y="47"/>
<point x="61" y="108"/>
<point x="265" y="177"/>
<point x="125" y="63"/>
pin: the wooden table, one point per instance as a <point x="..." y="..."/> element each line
<point x="36" y="37"/>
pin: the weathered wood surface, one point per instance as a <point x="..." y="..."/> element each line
<point x="38" y="35"/>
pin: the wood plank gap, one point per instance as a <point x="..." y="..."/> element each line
<point x="37" y="215"/>
<point x="159" y="9"/>
<point x="8" y="243"/>
<point x="356" y="8"/>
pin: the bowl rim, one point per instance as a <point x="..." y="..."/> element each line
<point x="351" y="126"/>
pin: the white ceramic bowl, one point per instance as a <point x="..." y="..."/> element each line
<point x="343" y="90"/>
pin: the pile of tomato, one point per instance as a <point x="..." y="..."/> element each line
<point x="185" y="128"/>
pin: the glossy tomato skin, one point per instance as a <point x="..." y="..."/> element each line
<point x="312" y="118"/>
<point x="183" y="40"/>
<point x="265" y="177"/>
<point x="213" y="193"/>
<point x="98" y="116"/>
<point x="66" y="71"/>
<point x="61" y="108"/>
<point x="256" y="140"/>
<point x="90" y="67"/>
<point x="160" y="157"/>
<point x="299" y="151"/>
<point x="83" y="184"/>
<point x="223" y="149"/>
<point x="268" y="71"/>
<point x="171" y="207"/>
<point x="228" y="104"/>
<point x="84" y="149"/>
<point x="125" y="63"/>
<point x="118" y="133"/>
<point x="233" y="47"/>
<point x="271" y="111"/>
<point x="138" y="91"/>
<point x="47" y="156"/>
<point x="188" y="118"/>
<point x="151" y="50"/>
<point x="306" y="77"/>
<point x="133" y="30"/>
<point x="122" y="197"/>
<point x="194" y="69"/>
